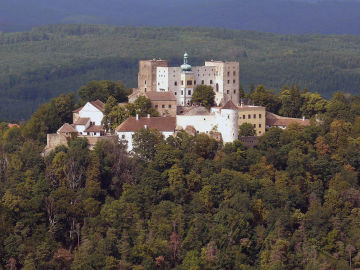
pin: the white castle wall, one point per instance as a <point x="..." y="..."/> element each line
<point x="89" y="111"/>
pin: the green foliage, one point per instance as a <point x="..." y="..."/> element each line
<point x="204" y="95"/>
<point x="247" y="129"/>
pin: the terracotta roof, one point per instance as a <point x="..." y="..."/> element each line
<point x="229" y="106"/>
<point x="160" y="96"/>
<point x="78" y="109"/>
<point x="66" y="128"/>
<point x="82" y="121"/>
<point x="13" y="125"/>
<point x="98" y="104"/>
<point x="277" y="120"/>
<point x="159" y="123"/>
<point x="94" y="128"/>
<point x="193" y="110"/>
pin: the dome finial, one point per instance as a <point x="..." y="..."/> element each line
<point x="186" y="66"/>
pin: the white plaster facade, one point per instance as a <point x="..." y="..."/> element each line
<point x="90" y="111"/>
<point x="222" y="76"/>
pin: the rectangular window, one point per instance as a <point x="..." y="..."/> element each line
<point x="234" y="91"/>
<point x="244" y="116"/>
<point x="228" y="73"/>
<point x="182" y="92"/>
<point x="234" y="73"/>
<point x="175" y="83"/>
<point x="182" y="82"/>
<point x="163" y="106"/>
<point x="189" y="92"/>
<point x="254" y="125"/>
<point x="234" y="81"/>
<point x="228" y="81"/>
<point x="169" y="105"/>
<point x="259" y="125"/>
<point x="175" y="93"/>
<point x="156" y="106"/>
<point x="123" y="136"/>
<point x="259" y="115"/>
<point x="202" y="82"/>
<point x="249" y="116"/>
<point x="145" y="82"/>
<point x="254" y="115"/>
<point x="189" y="82"/>
<point x="227" y="92"/>
<point x="210" y="81"/>
<point x="194" y="82"/>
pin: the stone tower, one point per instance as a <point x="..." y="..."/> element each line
<point x="227" y="119"/>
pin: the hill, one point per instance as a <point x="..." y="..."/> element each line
<point x="46" y="61"/>
<point x="279" y="16"/>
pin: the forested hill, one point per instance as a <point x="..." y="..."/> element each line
<point x="47" y="61"/>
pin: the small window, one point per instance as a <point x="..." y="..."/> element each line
<point x="202" y="82"/>
<point x="228" y="81"/>
<point x="156" y="106"/>
<point x="123" y="136"/>
<point x="145" y="89"/>
<point x="249" y="116"/>
<point x="228" y="116"/>
<point x="182" y="92"/>
<point x="189" y="92"/>
<point x="234" y="73"/>
<point x="175" y="93"/>
<point x="227" y="92"/>
<point x="254" y="116"/>
<point x="259" y="131"/>
<point x="158" y="83"/>
<point x="244" y="116"/>
<point x="211" y="81"/>
<point x="175" y="83"/>
<point x="234" y="81"/>
<point x="228" y="73"/>
<point x="254" y="125"/>
<point x="169" y="106"/>
<point x="189" y="82"/>
<point x="163" y="106"/>
<point x="259" y="125"/>
<point x="194" y="82"/>
<point x="234" y="91"/>
<point x="259" y="115"/>
<point x="145" y="82"/>
<point x="182" y="82"/>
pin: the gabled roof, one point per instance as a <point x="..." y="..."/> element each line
<point x="160" y="123"/>
<point x="10" y="125"/>
<point x="277" y="120"/>
<point x="94" y="128"/>
<point x="66" y="128"/>
<point x="229" y="106"/>
<point x="82" y="121"/>
<point x="97" y="104"/>
<point x="160" y="96"/>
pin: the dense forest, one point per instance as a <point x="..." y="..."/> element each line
<point x="43" y="63"/>
<point x="188" y="202"/>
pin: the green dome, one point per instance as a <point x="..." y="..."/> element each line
<point x="186" y="66"/>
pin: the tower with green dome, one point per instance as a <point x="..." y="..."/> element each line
<point x="187" y="81"/>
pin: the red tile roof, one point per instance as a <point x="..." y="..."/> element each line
<point x="94" y="129"/>
<point x="277" y="120"/>
<point x="78" y="109"/>
<point x="97" y="104"/>
<point x="159" y="123"/>
<point x="13" y="125"/>
<point x="229" y="106"/>
<point x="66" y="128"/>
<point x="82" y="121"/>
<point x="160" y="96"/>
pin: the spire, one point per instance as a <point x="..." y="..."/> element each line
<point x="186" y="66"/>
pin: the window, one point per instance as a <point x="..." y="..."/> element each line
<point x="145" y="82"/>
<point x="227" y="91"/>
<point x="234" y="91"/>
<point x="158" y="83"/>
<point x="244" y="116"/>
<point x="182" y="82"/>
<point x="175" y="83"/>
<point x="254" y="125"/>
<point x="175" y="93"/>
<point x="259" y="131"/>
<point x="163" y="106"/>
<point x="145" y="89"/>
<point x="189" y="82"/>
<point x="249" y="116"/>
<point x="169" y="106"/>
<point x="182" y="92"/>
<point x="217" y="87"/>
<point x="259" y="115"/>
<point x="123" y="136"/>
<point x="228" y="116"/>
<point x="234" y="73"/>
<point x="202" y="82"/>
<point x="210" y="81"/>
<point x="228" y="81"/>
<point x="156" y="106"/>
<point x="259" y="125"/>
<point x="228" y="73"/>
<point x="234" y="81"/>
<point x="254" y="115"/>
<point x="189" y="92"/>
<point x="194" y="82"/>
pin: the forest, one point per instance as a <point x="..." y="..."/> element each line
<point x="188" y="202"/>
<point x="44" y="62"/>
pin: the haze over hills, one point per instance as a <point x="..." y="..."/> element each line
<point x="278" y="16"/>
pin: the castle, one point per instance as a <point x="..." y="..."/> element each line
<point x="170" y="91"/>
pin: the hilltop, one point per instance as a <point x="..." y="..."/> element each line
<point x="44" y="62"/>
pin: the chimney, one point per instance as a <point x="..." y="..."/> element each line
<point x="137" y="117"/>
<point x="148" y="115"/>
<point x="145" y="126"/>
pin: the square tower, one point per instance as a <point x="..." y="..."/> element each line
<point x="147" y="74"/>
